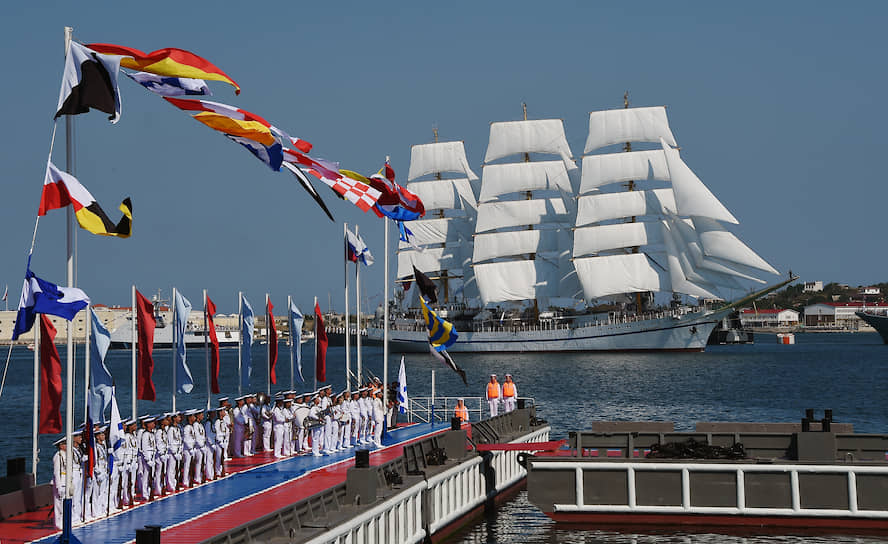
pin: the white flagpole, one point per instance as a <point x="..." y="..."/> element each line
<point x="268" y="325"/>
<point x="88" y="370"/>
<point x="207" y="345"/>
<point x="385" y="318"/>
<point x="175" y="348"/>
<point x="69" y="405"/>
<point x="289" y="322"/>
<point x="316" y="344"/>
<point x="133" y="346"/>
<point x="35" y="419"/>
<point x="240" y="346"/>
<point x="358" y="310"/>
<point x="347" y="326"/>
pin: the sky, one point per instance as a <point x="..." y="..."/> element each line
<point x="777" y="107"/>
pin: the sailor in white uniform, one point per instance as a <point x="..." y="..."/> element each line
<point x="510" y="394"/>
<point x="221" y="431"/>
<point x="315" y="421"/>
<point x="147" y="457"/>
<point x="365" y="409"/>
<point x="59" y="480"/>
<point x="205" y="468"/>
<point x="240" y="427"/>
<point x="378" y="416"/>
<point x="130" y="469"/>
<point x="253" y="410"/>
<point x="267" y="424"/>
<point x="163" y="455"/>
<point x="494" y="395"/>
<point x="214" y="461"/>
<point x="225" y="442"/>
<point x="279" y="426"/>
<point x="176" y="451"/>
<point x="193" y="454"/>
<point x="99" y="497"/>
<point x="354" y="410"/>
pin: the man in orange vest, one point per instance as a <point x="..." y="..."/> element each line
<point x="494" y="395"/>
<point x="510" y="394"/>
<point x="461" y="411"/>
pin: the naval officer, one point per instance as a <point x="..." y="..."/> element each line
<point x="493" y="394"/>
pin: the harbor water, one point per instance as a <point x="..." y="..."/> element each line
<point x="760" y="382"/>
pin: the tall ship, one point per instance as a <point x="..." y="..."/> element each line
<point x="876" y="320"/>
<point x="628" y="252"/>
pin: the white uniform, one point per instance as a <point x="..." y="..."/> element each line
<point x="366" y="412"/>
<point x="279" y="427"/>
<point x="254" y="411"/>
<point x="200" y="436"/>
<point x="221" y="431"/>
<point x="192" y="454"/>
<point x="77" y="483"/>
<point x="96" y="504"/>
<point x="317" y="431"/>
<point x="327" y="437"/>
<point x="354" y="410"/>
<point x="493" y="401"/>
<point x="59" y="480"/>
<point x="378" y="416"/>
<point x="214" y="461"/>
<point x="161" y="461"/>
<point x="267" y="425"/>
<point x="226" y="440"/>
<point x="130" y="469"/>
<point x="241" y="427"/>
<point x="510" y="401"/>
<point x="147" y="462"/>
<point x="176" y="453"/>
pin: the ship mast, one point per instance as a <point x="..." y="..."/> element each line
<point x="529" y="196"/>
<point x="631" y="186"/>
<point x="445" y="279"/>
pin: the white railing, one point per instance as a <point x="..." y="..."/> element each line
<point x="508" y="470"/>
<point x="741" y="470"/>
<point x="421" y="408"/>
<point x="399" y="519"/>
<point x="455" y="492"/>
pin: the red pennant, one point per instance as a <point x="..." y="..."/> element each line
<point x="272" y="343"/>
<point x="321" y="341"/>
<point x="50" y="380"/>
<point x="210" y="311"/>
<point x="145" y="323"/>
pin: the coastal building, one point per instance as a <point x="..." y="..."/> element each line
<point x="838" y="315"/>
<point x="812" y="287"/>
<point x="751" y="318"/>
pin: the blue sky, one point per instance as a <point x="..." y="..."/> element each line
<point x="776" y="106"/>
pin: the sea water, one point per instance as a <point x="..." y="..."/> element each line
<point x="760" y="382"/>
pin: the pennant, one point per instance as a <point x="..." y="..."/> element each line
<point x="184" y="379"/>
<point x="170" y="86"/>
<point x="89" y="442"/>
<point x="348" y="188"/>
<point x="309" y="188"/>
<point x="426" y="286"/>
<point x="442" y="335"/>
<point x="116" y="438"/>
<point x="402" y="388"/>
<point x="295" y="325"/>
<point x="321" y="346"/>
<point x="237" y="122"/>
<point x="246" y="342"/>
<point x="444" y="357"/>
<point x="270" y="155"/>
<point x="145" y="324"/>
<point x="167" y="62"/>
<point x="272" y="341"/>
<point x="42" y="297"/>
<point x="395" y="202"/>
<point x="50" y="380"/>
<point x="89" y="81"/>
<point x="101" y="385"/>
<point x="61" y="189"/>
<point x="5" y="294"/>
<point x="406" y="236"/>
<point x="356" y="250"/>
<point x="209" y="312"/>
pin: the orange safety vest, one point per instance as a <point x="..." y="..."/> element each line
<point x="492" y="390"/>
<point x="508" y="389"/>
<point x="462" y="413"/>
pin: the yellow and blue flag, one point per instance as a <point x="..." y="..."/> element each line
<point x="442" y="335"/>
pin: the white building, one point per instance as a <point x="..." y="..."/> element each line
<point x="752" y="318"/>
<point x="813" y="287"/>
<point x="838" y="315"/>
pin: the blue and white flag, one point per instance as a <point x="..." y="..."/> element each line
<point x="170" y="86"/>
<point x="356" y="248"/>
<point x="296" y="320"/>
<point x="246" y="343"/>
<point x="101" y="386"/>
<point x="406" y="235"/>
<point x="402" y="388"/>
<point x="42" y="297"/>
<point x="184" y="381"/>
<point x="116" y="437"/>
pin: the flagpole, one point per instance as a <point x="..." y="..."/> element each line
<point x="207" y="345"/>
<point x="87" y="372"/>
<point x="133" y="346"/>
<point x="35" y="419"/>
<point x="240" y="345"/>
<point x="69" y="405"/>
<point x="358" y="307"/>
<point x="316" y="346"/>
<point x="175" y="347"/>
<point x="292" y="346"/>
<point x="385" y="318"/>
<point x="268" y="325"/>
<point x="347" y="327"/>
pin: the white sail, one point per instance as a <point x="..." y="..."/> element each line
<point x="607" y="206"/>
<point x="513" y="213"/>
<point x="520" y="242"/>
<point x="691" y="195"/>
<point x="677" y="276"/>
<point x="517" y="280"/>
<point x="445" y="230"/>
<point x="719" y="242"/>
<point x="501" y="179"/>
<point x="601" y="170"/>
<point x="617" y="274"/>
<point x="536" y="136"/>
<point x="444" y="194"/>
<point x="695" y="250"/>
<point x="439" y="158"/>
<point x="589" y="240"/>
<point x="430" y="260"/>
<point x="628" y="125"/>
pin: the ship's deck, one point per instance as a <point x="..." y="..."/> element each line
<point x="255" y="486"/>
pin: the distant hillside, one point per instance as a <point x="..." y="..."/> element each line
<point x="792" y="296"/>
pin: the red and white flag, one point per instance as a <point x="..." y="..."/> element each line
<point x="357" y="192"/>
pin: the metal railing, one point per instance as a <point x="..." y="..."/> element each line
<point x="686" y="470"/>
<point x="439" y="409"/>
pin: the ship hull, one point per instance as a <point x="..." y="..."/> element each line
<point x="688" y="333"/>
<point x="121" y="338"/>
<point x="878" y="322"/>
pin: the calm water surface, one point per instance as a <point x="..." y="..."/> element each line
<point x="761" y="382"/>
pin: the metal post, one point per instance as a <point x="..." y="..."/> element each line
<point x="35" y="420"/>
<point x="347" y="328"/>
<point x="207" y="345"/>
<point x="69" y="404"/>
<point x="292" y="346"/>
<point x="358" y="311"/>
<point x="316" y="344"/>
<point x="385" y="318"/>
<point x="133" y="349"/>
<point x="240" y="346"/>
<point x="174" y="346"/>
<point x="268" y="325"/>
<point x="86" y="371"/>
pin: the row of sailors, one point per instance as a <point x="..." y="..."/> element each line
<point x="177" y="450"/>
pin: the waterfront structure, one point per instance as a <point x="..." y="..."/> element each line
<point x="838" y="315"/>
<point x="771" y="317"/>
